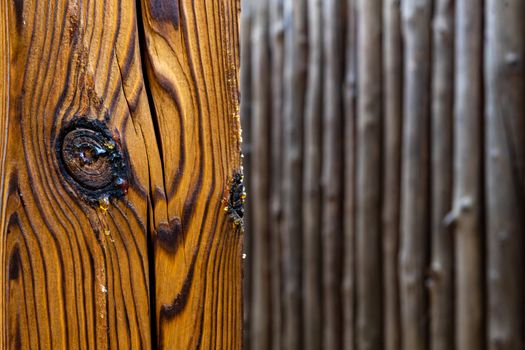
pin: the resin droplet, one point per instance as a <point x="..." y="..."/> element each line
<point x="103" y="203"/>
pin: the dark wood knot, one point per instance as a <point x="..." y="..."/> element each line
<point x="91" y="160"/>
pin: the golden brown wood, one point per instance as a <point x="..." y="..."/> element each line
<point x="76" y="273"/>
<point x="75" y="276"/>
<point x="192" y="64"/>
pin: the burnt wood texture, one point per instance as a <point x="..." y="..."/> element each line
<point x="121" y="186"/>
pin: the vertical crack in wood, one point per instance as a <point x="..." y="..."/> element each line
<point x="150" y="213"/>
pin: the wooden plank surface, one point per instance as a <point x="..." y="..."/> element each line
<point x="192" y="66"/>
<point x="120" y="139"/>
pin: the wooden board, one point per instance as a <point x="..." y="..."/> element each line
<point x="119" y="139"/>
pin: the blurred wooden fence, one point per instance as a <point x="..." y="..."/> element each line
<point x="385" y="161"/>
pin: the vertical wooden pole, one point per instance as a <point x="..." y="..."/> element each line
<point x="294" y="83"/>
<point x="393" y="121"/>
<point x="350" y="146"/>
<point x="504" y="168"/>
<point x="312" y="182"/>
<point x="332" y="172"/>
<point x="260" y="318"/>
<point x="441" y="280"/>
<point x="368" y="197"/>
<point x="191" y="62"/>
<point x="276" y="27"/>
<point x="466" y="214"/>
<point x="414" y="196"/>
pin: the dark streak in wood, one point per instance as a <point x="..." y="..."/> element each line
<point x="14" y="263"/>
<point x="19" y="13"/>
<point x="168" y="234"/>
<point x="169" y="311"/>
<point x="165" y="10"/>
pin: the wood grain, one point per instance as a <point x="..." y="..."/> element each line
<point x="78" y="275"/>
<point x="75" y="276"/>
<point x="192" y="69"/>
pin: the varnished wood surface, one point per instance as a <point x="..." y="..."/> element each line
<point x="159" y="267"/>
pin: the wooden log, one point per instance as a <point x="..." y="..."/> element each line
<point x="393" y="121"/>
<point x="246" y="18"/>
<point x="369" y="324"/>
<point x="332" y="172"/>
<point x="441" y="281"/>
<point x="466" y="214"/>
<point x="312" y="196"/>
<point x="415" y="163"/>
<point x="260" y="317"/>
<point x="276" y="27"/>
<point x="294" y="86"/>
<point x="504" y="171"/>
<point x="350" y="116"/>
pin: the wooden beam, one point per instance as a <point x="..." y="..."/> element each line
<point x="192" y="62"/>
<point x="75" y="259"/>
